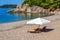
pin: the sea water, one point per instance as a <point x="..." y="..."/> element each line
<point x="6" y="17"/>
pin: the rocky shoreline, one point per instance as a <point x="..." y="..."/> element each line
<point x="26" y="9"/>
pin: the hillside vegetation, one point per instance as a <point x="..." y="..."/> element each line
<point x="44" y="3"/>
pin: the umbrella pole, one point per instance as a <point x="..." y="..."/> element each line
<point x="38" y="26"/>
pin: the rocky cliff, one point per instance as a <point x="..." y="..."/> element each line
<point x="26" y="8"/>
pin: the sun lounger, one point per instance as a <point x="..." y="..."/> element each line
<point x="37" y="30"/>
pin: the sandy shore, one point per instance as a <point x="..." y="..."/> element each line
<point x="22" y="34"/>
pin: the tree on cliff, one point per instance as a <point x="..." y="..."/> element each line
<point x="44" y="3"/>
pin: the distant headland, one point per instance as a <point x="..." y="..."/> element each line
<point x="8" y="6"/>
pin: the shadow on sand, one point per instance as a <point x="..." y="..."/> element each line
<point x="46" y="30"/>
<point x="38" y="30"/>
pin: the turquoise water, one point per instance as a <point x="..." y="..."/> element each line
<point x="6" y="17"/>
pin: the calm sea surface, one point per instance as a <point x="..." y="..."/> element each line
<point x="6" y="17"/>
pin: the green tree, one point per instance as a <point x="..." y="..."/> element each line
<point x="44" y="3"/>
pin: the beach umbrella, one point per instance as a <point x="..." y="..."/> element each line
<point x="39" y="21"/>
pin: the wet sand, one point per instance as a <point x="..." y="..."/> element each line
<point x="11" y="25"/>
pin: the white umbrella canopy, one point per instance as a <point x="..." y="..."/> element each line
<point x="39" y="21"/>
